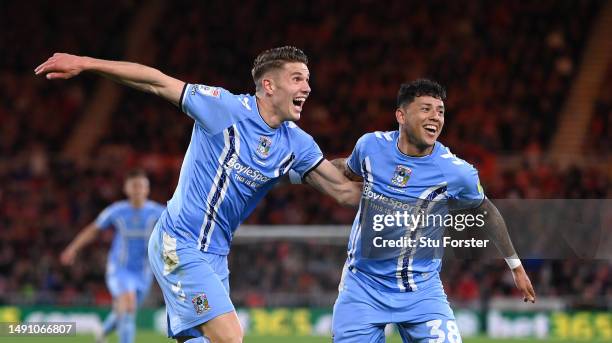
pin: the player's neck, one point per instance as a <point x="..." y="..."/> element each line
<point x="410" y="149"/>
<point x="137" y="203"/>
<point x="266" y="110"/>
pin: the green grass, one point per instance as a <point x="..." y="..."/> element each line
<point x="153" y="337"/>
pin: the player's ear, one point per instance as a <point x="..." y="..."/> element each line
<point x="400" y="115"/>
<point x="267" y="84"/>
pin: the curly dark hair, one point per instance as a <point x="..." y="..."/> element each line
<point x="276" y="58"/>
<point x="421" y="87"/>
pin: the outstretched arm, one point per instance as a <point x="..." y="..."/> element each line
<point x="138" y="76"/>
<point x="496" y="229"/>
<point x="82" y="239"/>
<point x="329" y="180"/>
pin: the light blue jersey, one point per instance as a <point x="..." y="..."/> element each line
<point x="127" y="269"/>
<point x="397" y="181"/>
<point x="400" y="286"/>
<point x="133" y="227"/>
<point x="233" y="159"/>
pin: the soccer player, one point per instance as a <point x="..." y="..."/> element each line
<point x="240" y="146"/>
<point x="128" y="275"/>
<point x="409" y="169"/>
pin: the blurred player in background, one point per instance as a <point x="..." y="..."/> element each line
<point x="240" y="146"/>
<point x="128" y="275"/>
<point x="410" y="166"/>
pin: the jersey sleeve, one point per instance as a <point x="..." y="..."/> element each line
<point x="159" y="209"/>
<point x="105" y="218"/>
<point x="468" y="192"/>
<point x="353" y="162"/>
<point x="210" y="107"/>
<point x="309" y="156"/>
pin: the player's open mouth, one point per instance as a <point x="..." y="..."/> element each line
<point x="299" y="102"/>
<point x="431" y="129"/>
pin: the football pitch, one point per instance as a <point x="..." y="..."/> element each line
<point x="153" y="337"/>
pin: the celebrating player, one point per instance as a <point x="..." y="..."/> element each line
<point x="409" y="169"/>
<point x="128" y="275"/>
<point x="240" y="146"/>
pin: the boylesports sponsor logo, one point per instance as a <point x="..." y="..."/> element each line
<point x="395" y="204"/>
<point x="246" y="171"/>
<point x="393" y="213"/>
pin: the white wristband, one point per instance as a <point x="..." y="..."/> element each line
<point x="513" y="261"/>
<point x="294" y="177"/>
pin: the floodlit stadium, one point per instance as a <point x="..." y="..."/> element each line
<point x="517" y="125"/>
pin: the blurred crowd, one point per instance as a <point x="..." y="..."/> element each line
<point x="600" y="134"/>
<point x="310" y="271"/>
<point x="507" y="67"/>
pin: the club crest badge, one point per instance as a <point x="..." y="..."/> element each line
<point x="200" y="303"/>
<point x="401" y="176"/>
<point x="263" y="148"/>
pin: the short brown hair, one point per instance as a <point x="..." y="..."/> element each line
<point x="137" y="172"/>
<point x="276" y="58"/>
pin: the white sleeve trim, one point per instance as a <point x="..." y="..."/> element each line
<point x="312" y="167"/>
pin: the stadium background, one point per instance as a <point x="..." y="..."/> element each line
<point x="530" y="105"/>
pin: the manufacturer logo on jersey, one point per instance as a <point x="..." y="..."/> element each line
<point x="263" y="149"/>
<point x="401" y="176"/>
<point x="209" y="91"/>
<point x="200" y="303"/>
<point x="245" y="102"/>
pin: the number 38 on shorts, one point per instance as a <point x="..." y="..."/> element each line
<point x="442" y="331"/>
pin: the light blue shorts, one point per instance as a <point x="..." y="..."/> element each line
<point x="361" y="313"/>
<point x="195" y="284"/>
<point x="121" y="280"/>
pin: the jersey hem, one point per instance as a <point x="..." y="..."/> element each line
<point x="351" y="169"/>
<point x="312" y="168"/>
<point x="182" y="98"/>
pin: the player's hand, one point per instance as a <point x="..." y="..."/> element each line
<point x="61" y="66"/>
<point x="522" y="282"/>
<point x="67" y="257"/>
